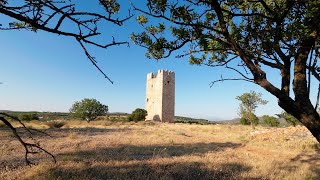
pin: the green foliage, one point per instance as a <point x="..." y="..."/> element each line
<point x="291" y="120"/>
<point x="142" y="19"/>
<point x="88" y="109"/>
<point x="138" y="115"/>
<point x="270" y="120"/>
<point x="248" y="105"/>
<point x="250" y="101"/>
<point x="249" y="119"/>
<point x="111" y="6"/>
<point x="28" y="116"/>
<point x="244" y="121"/>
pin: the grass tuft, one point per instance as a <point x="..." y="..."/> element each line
<point x="55" y="124"/>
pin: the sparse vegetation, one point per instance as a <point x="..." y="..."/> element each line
<point x="55" y="124"/>
<point x="146" y="150"/>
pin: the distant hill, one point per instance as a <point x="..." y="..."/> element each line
<point x="5" y="111"/>
<point x="232" y="121"/>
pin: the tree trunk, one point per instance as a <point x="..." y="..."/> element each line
<point x="252" y="125"/>
<point x="312" y="122"/>
<point x="307" y="115"/>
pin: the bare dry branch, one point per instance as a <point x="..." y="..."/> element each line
<point x="51" y="16"/>
<point x="30" y="148"/>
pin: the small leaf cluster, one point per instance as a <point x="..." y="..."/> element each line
<point x="111" y="6"/>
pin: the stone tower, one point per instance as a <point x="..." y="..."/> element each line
<point x="160" y="96"/>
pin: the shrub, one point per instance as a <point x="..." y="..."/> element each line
<point x="138" y="115"/>
<point x="250" y="117"/>
<point x="270" y="120"/>
<point x="28" y="116"/>
<point x="88" y="109"/>
<point x="55" y="124"/>
<point x="244" y="121"/>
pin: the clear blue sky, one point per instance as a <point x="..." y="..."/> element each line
<point x="45" y="72"/>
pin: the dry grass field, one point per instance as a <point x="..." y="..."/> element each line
<point x="118" y="150"/>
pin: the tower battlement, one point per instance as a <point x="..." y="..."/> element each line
<point x="160" y="95"/>
<point x="160" y="73"/>
<point x="150" y="75"/>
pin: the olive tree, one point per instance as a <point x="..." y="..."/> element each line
<point x="250" y="38"/>
<point x="88" y="109"/>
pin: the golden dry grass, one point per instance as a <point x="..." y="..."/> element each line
<point x="119" y="150"/>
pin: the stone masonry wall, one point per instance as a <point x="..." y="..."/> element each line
<point x="160" y="96"/>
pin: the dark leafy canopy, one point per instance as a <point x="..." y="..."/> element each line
<point x="247" y="37"/>
<point x="28" y="116"/>
<point x="138" y="115"/>
<point x="249" y="119"/>
<point x="64" y="18"/>
<point x="88" y="109"/>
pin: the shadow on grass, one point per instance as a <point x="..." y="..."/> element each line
<point x="132" y="152"/>
<point x="88" y="131"/>
<point x="142" y="170"/>
<point x="313" y="159"/>
<point x="12" y="152"/>
<point x="59" y="132"/>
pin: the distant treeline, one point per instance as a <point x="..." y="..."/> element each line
<point x="181" y="119"/>
<point x="47" y="116"/>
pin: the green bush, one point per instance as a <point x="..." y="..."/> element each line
<point x="270" y="120"/>
<point x="88" y="109"/>
<point x="138" y="115"/>
<point x="244" y="121"/>
<point x="28" y="116"/>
